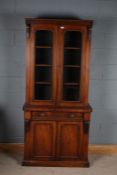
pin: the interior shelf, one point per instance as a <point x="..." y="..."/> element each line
<point x="43" y="47"/>
<point x="74" y="48"/>
<point x="71" y="84"/>
<point x="43" y="65"/>
<point x="72" y="66"/>
<point x="43" y="82"/>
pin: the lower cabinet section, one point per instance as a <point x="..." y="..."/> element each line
<point x="56" y="143"/>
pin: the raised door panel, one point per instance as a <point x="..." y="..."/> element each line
<point x="69" y="140"/>
<point x="43" y="139"/>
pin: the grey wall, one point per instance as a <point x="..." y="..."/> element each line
<point x="103" y="67"/>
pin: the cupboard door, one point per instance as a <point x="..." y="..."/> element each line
<point x="72" y="61"/>
<point x="70" y="135"/>
<point x="43" y="135"/>
<point x="43" y="63"/>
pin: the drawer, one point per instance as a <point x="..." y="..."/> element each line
<point x="56" y="115"/>
<point x="69" y="115"/>
<point x="42" y="114"/>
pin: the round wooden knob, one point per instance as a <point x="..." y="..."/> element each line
<point x="42" y="114"/>
<point x="72" y="115"/>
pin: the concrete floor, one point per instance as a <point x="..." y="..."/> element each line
<point x="10" y="164"/>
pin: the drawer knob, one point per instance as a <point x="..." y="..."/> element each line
<point x="72" y="115"/>
<point x="42" y="114"/>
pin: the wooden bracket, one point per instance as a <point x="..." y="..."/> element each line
<point x="27" y="125"/>
<point x="86" y="127"/>
<point x="89" y="32"/>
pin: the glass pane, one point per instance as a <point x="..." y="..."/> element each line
<point x="43" y="74"/>
<point x="72" y="57"/>
<point x="71" y="93"/>
<point x="72" y="65"/>
<point x="43" y="55"/>
<point x="72" y="39"/>
<point x="43" y="65"/>
<point x="71" y="75"/>
<point x="43" y="92"/>
<point x="43" y="38"/>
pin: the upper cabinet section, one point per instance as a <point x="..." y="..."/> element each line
<point x="57" y="56"/>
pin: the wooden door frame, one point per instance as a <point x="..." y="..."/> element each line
<point x="84" y="66"/>
<point x="30" y="66"/>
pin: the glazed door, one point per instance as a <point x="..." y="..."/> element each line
<point x="43" y="64"/>
<point x="72" y="62"/>
<point x="70" y="138"/>
<point x="43" y="135"/>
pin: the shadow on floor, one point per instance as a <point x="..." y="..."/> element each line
<point x="14" y="151"/>
<point x="93" y="158"/>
